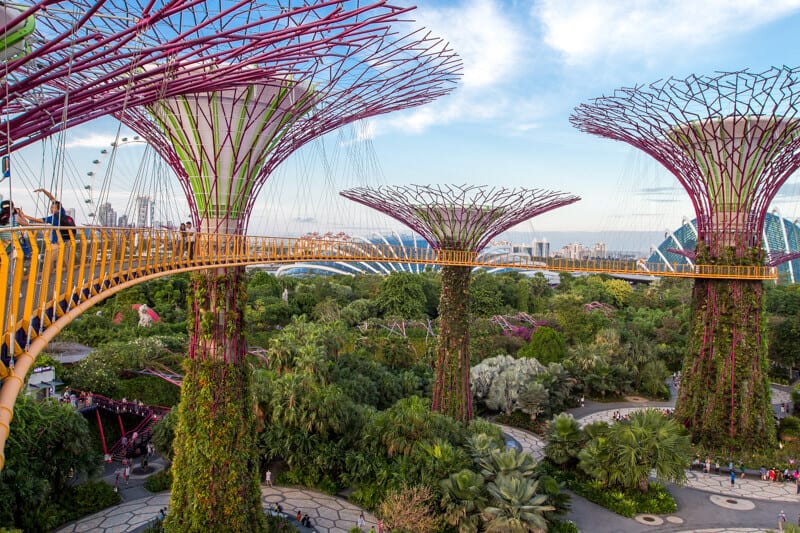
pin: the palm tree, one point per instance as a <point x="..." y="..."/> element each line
<point x="514" y="506"/>
<point x="564" y="439"/>
<point x="463" y="500"/>
<point x="626" y="453"/>
<point x="534" y="399"/>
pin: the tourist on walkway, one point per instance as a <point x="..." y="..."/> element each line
<point x="733" y="478"/>
<point x="268" y="478"/>
<point x="781" y="520"/>
<point x="360" y="522"/>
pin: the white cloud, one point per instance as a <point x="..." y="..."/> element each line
<point x="483" y="35"/>
<point x="583" y="30"/>
<point x="492" y="48"/>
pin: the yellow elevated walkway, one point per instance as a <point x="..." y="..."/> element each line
<point x="48" y="284"/>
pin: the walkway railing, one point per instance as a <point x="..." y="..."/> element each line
<point x="50" y="279"/>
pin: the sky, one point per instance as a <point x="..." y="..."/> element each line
<point x="527" y="65"/>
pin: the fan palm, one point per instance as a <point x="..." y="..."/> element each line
<point x="564" y="439"/>
<point x="627" y="452"/>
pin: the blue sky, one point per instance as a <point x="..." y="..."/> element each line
<point x="527" y="64"/>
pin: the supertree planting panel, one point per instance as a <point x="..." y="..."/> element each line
<point x="731" y="140"/>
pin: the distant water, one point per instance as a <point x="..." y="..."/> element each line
<point x="68" y="352"/>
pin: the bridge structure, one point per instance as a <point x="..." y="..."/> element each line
<point x="59" y="281"/>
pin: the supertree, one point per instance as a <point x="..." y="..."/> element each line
<point x="66" y="62"/>
<point x="223" y="145"/>
<point x="457" y="218"/>
<point x="731" y="140"/>
<point x="70" y="61"/>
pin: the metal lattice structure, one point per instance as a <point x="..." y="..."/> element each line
<point x="457" y="218"/>
<point x="731" y="140"/>
<point x="82" y="59"/>
<point x="466" y="217"/>
<point x="224" y="144"/>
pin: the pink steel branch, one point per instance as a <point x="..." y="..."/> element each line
<point x="731" y="139"/>
<point x="459" y="217"/>
<point x="368" y="70"/>
<point x="91" y="58"/>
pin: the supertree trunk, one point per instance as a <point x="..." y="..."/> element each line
<point x="215" y="476"/>
<point x="451" y="391"/>
<point x="724" y="398"/>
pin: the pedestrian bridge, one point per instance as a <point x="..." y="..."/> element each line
<point x="48" y="284"/>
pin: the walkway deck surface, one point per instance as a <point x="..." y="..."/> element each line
<point x="706" y="504"/>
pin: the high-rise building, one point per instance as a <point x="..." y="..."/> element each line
<point x="541" y="248"/>
<point x="143" y="210"/>
<point x="106" y="216"/>
<point x="599" y="250"/>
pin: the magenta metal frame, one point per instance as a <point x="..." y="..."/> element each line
<point x="91" y="58"/>
<point x="368" y="64"/>
<point x="459" y="217"/>
<point x="706" y="129"/>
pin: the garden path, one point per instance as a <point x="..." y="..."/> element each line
<point x="706" y="503"/>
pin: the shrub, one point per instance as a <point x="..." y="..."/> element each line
<point x="88" y="498"/>
<point x="159" y="482"/>
<point x="367" y="496"/>
<point x="280" y="524"/>
<point x="657" y="500"/>
<point x="410" y="509"/>
<point x="789" y="428"/>
<point x="562" y="526"/>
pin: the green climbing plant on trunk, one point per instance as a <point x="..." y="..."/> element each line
<point x="724" y="398"/>
<point x="215" y="468"/>
<point x="451" y="392"/>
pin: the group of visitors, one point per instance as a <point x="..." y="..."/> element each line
<point x="122" y="473"/>
<point x="79" y="400"/>
<point x="790" y="473"/>
<point x="187" y="239"/>
<point x="361" y="522"/>
<point x="13" y="216"/>
<point x="304" y="519"/>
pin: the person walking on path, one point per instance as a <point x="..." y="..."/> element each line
<point x="781" y="520"/>
<point x="360" y="522"/>
<point x="733" y="478"/>
<point x="268" y="478"/>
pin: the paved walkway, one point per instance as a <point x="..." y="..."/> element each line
<point x="706" y="503"/>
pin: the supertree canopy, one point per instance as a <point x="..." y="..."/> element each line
<point x="223" y="143"/>
<point x="68" y="62"/>
<point x="731" y="140"/>
<point x="457" y="218"/>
